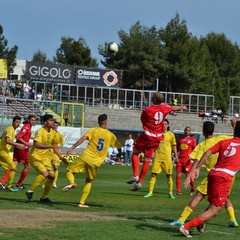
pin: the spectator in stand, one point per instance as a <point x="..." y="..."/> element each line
<point x="26" y="89"/>
<point x="18" y="89"/>
<point x="49" y="98"/>
<point x="12" y="86"/>
<point x="4" y="86"/>
<point x="39" y="98"/>
<point x="32" y="92"/>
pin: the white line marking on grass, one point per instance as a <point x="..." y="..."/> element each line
<point x="226" y="233"/>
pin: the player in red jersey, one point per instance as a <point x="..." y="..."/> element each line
<point x="152" y="118"/>
<point x="219" y="178"/>
<point x="21" y="155"/>
<point x="185" y="145"/>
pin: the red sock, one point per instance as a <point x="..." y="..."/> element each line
<point x="197" y="221"/>
<point x="178" y="183"/>
<point x="135" y="164"/>
<point x="22" y="177"/>
<point x="144" y="170"/>
<point x="5" y="176"/>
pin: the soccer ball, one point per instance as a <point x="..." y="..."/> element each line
<point x="113" y="47"/>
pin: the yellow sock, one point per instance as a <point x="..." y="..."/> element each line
<point x="10" y="178"/>
<point x="170" y="185"/>
<point x="47" y="187"/>
<point x="70" y="177"/>
<point x="37" y="182"/>
<point x="230" y="213"/>
<point x="56" y="176"/>
<point x="185" y="214"/>
<point x="152" y="184"/>
<point x="85" y="192"/>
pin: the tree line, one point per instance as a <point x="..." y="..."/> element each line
<point x="181" y="61"/>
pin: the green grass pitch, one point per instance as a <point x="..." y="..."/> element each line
<point x="115" y="212"/>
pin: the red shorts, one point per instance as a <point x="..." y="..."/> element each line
<point x="184" y="167"/>
<point x="20" y="155"/>
<point x="218" y="189"/>
<point x="146" y="144"/>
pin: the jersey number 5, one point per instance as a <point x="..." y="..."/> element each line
<point x="100" y="144"/>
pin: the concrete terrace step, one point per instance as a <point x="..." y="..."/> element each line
<point x="130" y="120"/>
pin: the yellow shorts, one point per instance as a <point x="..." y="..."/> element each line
<point x="6" y="161"/>
<point x="202" y="187"/>
<point x="41" y="165"/>
<point x="79" y="165"/>
<point x="161" y="166"/>
<point x="55" y="160"/>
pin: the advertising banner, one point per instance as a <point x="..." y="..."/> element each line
<point x="49" y="72"/>
<point x="3" y="68"/>
<point x="70" y="136"/>
<point x="97" y="77"/>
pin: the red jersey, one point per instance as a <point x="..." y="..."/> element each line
<point x="25" y="132"/>
<point x="185" y="146"/>
<point x="228" y="162"/>
<point x="21" y="155"/>
<point x="152" y="118"/>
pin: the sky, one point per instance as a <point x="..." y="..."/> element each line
<point x="35" y="25"/>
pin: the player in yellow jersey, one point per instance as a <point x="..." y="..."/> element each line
<point x="56" y="159"/>
<point x="7" y="142"/>
<point x="163" y="160"/>
<point x="40" y="158"/>
<point x="210" y="140"/>
<point x="100" y="139"/>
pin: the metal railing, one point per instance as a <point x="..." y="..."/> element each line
<point x="128" y="98"/>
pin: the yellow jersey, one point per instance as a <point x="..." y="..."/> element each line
<point x="164" y="150"/>
<point x="10" y="133"/>
<point x="202" y="147"/>
<point x="44" y="137"/>
<point x="100" y="139"/>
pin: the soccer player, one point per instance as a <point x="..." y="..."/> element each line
<point x="21" y="155"/>
<point x="163" y="160"/>
<point x="185" y="145"/>
<point x="196" y="154"/>
<point x="100" y="139"/>
<point x="56" y="159"/>
<point x="40" y="158"/>
<point x="153" y="125"/>
<point x="219" y="178"/>
<point x="6" y="161"/>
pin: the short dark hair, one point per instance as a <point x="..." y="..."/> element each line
<point x="102" y="118"/>
<point x="16" y="118"/>
<point x="166" y="120"/>
<point x="157" y="98"/>
<point x="46" y="117"/>
<point x="208" y="128"/>
<point x="31" y="116"/>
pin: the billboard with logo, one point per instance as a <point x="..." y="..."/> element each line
<point x="49" y="72"/>
<point x="97" y="77"/>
